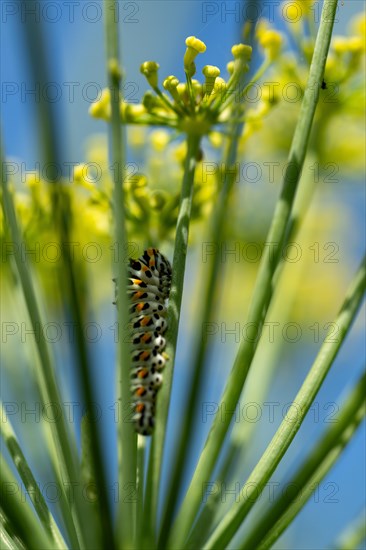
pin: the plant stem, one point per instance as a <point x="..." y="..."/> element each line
<point x="262" y="288"/>
<point x="208" y="300"/>
<point x="7" y="543"/>
<point x="264" y="533"/>
<point x="174" y="307"/>
<point x="264" y="365"/>
<point x="257" y="384"/>
<point x="20" y="513"/>
<point x="353" y="535"/>
<point x="72" y="279"/>
<point x="127" y="440"/>
<point x="294" y="417"/>
<point x="39" y="503"/>
<point x="8" y="537"/>
<point x="140" y="489"/>
<point x="46" y="375"/>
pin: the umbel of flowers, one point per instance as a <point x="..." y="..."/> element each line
<point x="193" y="106"/>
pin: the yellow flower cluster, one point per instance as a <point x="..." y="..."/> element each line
<point x="340" y="110"/>
<point x="191" y="106"/>
<point x="151" y="205"/>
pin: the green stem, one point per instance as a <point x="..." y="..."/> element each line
<point x="8" y="537"/>
<point x="262" y="372"/>
<point x="73" y="280"/>
<point x="20" y="513"/>
<point x="208" y="300"/>
<point x="174" y="307"/>
<point x="353" y="535"/>
<point x="127" y="451"/>
<point x="190" y="93"/>
<point x="241" y="97"/>
<point x="294" y="417"/>
<point x="262" y="288"/>
<point x="46" y="375"/>
<point x="6" y="542"/>
<point x="140" y="488"/>
<point x="167" y="102"/>
<point x="213" y="508"/>
<point x="264" y="533"/>
<point x="39" y="503"/>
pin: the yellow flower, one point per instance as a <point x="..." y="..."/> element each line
<point x="216" y="139"/>
<point x="230" y="67"/>
<point x="194" y="47"/>
<point x="294" y="11"/>
<point x="358" y="25"/>
<point x="114" y="68"/>
<point x="130" y="112"/>
<point x="340" y="44"/>
<point x="271" y="42"/>
<point x="242" y="52"/>
<point x="306" y="6"/>
<point x="180" y="152"/>
<point x="81" y="176"/>
<point x="102" y="107"/>
<point x="150" y="70"/>
<point x="32" y="180"/>
<point x="170" y="84"/>
<point x="159" y="139"/>
<point x="211" y="73"/>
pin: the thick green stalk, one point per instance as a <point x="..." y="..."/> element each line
<point x="33" y="490"/>
<point x="127" y="440"/>
<point x="19" y="513"/>
<point x="200" y="347"/>
<point x="295" y="416"/>
<point x="175" y="300"/>
<point x="327" y="450"/>
<point x="262" y="288"/>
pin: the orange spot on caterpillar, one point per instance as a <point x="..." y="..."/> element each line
<point x="143" y="373"/>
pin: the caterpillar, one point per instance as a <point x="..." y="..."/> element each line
<point x="148" y="288"/>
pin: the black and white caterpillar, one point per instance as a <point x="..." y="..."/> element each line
<point x="148" y="287"/>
